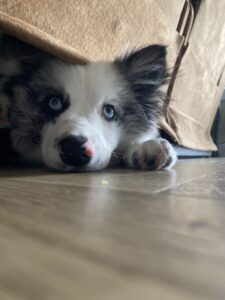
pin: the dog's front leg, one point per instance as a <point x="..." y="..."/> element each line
<point x="153" y="154"/>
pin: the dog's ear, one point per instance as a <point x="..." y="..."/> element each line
<point x="27" y="60"/>
<point x="145" y="70"/>
<point x="29" y="57"/>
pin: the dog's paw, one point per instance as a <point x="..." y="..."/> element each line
<point x="153" y="154"/>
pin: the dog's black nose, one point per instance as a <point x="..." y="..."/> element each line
<point x="74" y="151"/>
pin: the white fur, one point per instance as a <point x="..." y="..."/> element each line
<point x="159" y="151"/>
<point x="89" y="87"/>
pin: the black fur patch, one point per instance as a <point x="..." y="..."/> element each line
<point x="7" y="154"/>
<point x="144" y="71"/>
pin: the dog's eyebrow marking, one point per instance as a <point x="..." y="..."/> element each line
<point x="48" y="91"/>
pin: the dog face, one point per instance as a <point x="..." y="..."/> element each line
<point x="73" y="117"/>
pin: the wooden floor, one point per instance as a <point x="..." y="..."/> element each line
<point x="116" y="234"/>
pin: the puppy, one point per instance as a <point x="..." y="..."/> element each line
<point x="84" y="117"/>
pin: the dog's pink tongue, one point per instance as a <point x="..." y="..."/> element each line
<point x="89" y="149"/>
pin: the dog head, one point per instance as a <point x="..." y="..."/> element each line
<point x="73" y="117"/>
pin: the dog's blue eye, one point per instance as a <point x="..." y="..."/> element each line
<point x="55" y="103"/>
<point x="108" y="112"/>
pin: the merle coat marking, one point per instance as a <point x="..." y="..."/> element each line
<point x="82" y="117"/>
